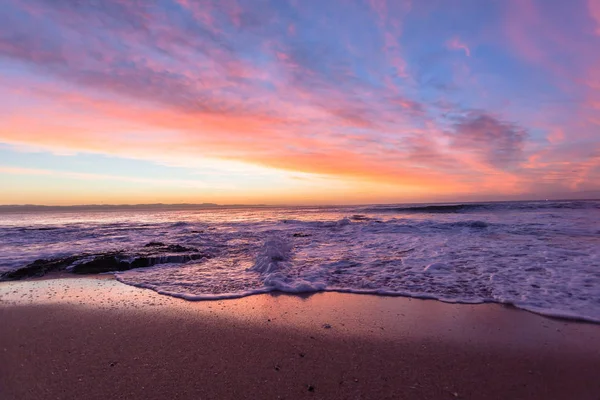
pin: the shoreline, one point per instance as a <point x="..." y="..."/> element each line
<point x="76" y="337"/>
<point x="235" y="296"/>
<point x="199" y="298"/>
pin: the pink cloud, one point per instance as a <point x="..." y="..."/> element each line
<point x="594" y="6"/>
<point x="556" y="135"/>
<point x="456" y="44"/>
<point x="81" y="123"/>
<point x="495" y="142"/>
<point x="522" y="22"/>
<point x="390" y="15"/>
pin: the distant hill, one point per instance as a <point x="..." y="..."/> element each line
<point x="116" y="207"/>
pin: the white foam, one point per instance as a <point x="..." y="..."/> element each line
<point x="438" y="268"/>
<point x="284" y="284"/>
<point x="272" y="256"/>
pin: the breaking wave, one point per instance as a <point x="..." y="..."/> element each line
<point x="486" y="207"/>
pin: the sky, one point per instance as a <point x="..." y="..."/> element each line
<point x="298" y="101"/>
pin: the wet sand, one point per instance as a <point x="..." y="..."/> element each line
<point x="95" y="338"/>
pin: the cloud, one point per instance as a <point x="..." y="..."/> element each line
<point x="355" y="90"/>
<point x="456" y="44"/>
<point x="594" y="6"/>
<point x="497" y="142"/>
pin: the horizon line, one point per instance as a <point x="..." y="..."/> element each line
<point x="216" y="205"/>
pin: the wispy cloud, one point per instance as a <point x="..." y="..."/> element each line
<point x="456" y="44"/>
<point x="496" y="142"/>
<point x="594" y="6"/>
<point x="361" y="91"/>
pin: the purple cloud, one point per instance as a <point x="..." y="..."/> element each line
<point x="497" y="142"/>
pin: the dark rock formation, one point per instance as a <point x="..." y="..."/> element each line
<point x="171" y="248"/>
<point x="151" y="254"/>
<point x="155" y="244"/>
<point x="301" y="234"/>
<point x="39" y="268"/>
<point x="175" y="248"/>
<point x="109" y="263"/>
<point x="103" y="263"/>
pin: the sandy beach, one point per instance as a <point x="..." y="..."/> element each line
<point x="95" y="338"/>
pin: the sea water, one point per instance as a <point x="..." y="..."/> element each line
<point x="539" y="256"/>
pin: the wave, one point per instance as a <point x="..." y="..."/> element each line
<point x="473" y="207"/>
<point x="272" y="255"/>
<point x="431" y="209"/>
<point x="465" y="224"/>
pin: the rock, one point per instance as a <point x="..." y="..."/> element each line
<point x="118" y="262"/>
<point x="141" y="262"/>
<point x="155" y="244"/>
<point x="176" y="248"/>
<point x="310" y="388"/>
<point x="151" y="254"/>
<point x="39" y="268"/>
<point x="100" y="264"/>
<point x="300" y="234"/>
<point x="326" y="326"/>
<point x="171" y="248"/>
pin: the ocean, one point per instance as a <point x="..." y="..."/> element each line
<point x="541" y="256"/>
